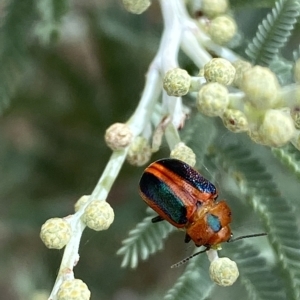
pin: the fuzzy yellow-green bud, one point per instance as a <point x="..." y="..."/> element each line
<point x="219" y="70"/>
<point x="241" y="66"/>
<point x="184" y="153"/>
<point x="118" y="136"/>
<point x="222" y="29"/>
<point x="213" y="8"/>
<point x="177" y="82"/>
<point x="254" y="115"/>
<point x="139" y="152"/>
<point x="74" y="289"/>
<point x="201" y="72"/>
<point x="98" y="215"/>
<point x="297" y="71"/>
<point x="256" y="137"/>
<point x="223" y="271"/>
<point x="136" y="6"/>
<point x="295" y="114"/>
<point x="212" y="99"/>
<point x="235" y="120"/>
<point x="80" y="202"/>
<point x="277" y="128"/>
<point x="55" y="233"/>
<point x="261" y="87"/>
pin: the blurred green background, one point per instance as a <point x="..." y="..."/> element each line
<point x="52" y="149"/>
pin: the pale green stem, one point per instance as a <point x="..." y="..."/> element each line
<point x="194" y="50"/>
<point x="137" y="123"/>
<point x="236" y="100"/>
<point x="196" y="84"/>
<point x="212" y="254"/>
<point x="172" y="136"/>
<point x="171" y="37"/>
<point x="221" y="51"/>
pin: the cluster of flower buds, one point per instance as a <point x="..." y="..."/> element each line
<point x="221" y="27"/>
<point x="255" y="103"/>
<point x="56" y="233"/>
<point x="119" y="136"/>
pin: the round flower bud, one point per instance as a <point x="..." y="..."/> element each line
<point x="277" y="128"/>
<point x="241" y="67"/>
<point x="256" y="137"/>
<point x="136" y="6"/>
<point x="55" y="233"/>
<point x="98" y="215"/>
<point x="139" y="152"/>
<point x="261" y="87"/>
<point x="212" y="99"/>
<point x="74" y="289"/>
<point x="223" y="271"/>
<point x="213" y="8"/>
<point x="235" y="120"/>
<point x="184" y="153"/>
<point x="295" y="114"/>
<point x="222" y="29"/>
<point x="118" y="136"/>
<point x="177" y="82"/>
<point x="297" y="71"/>
<point x="219" y="70"/>
<point x="80" y="202"/>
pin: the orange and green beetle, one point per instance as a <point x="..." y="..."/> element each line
<point x="184" y="198"/>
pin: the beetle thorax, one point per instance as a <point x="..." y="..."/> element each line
<point x="209" y="225"/>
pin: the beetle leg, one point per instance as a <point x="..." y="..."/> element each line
<point x="157" y="219"/>
<point x="187" y="238"/>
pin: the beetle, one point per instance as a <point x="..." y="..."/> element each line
<point x="183" y="197"/>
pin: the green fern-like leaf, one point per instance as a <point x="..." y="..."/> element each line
<point x="199" y="140"/>
<point x="273" y="32"/>
<point x="260" y="282"/>
<point x="283" y="69"/>
<point x="145" y="239"/>
<point x="194" y="283"/>
<point x="296" y="53"/>
<point x="290" y="157"/>
<point x="258" y="188"/>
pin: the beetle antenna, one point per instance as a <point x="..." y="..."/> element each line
<point x="188" y="258"/>
<point x="185" y="260"/>
<point x="246" y="237"/>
